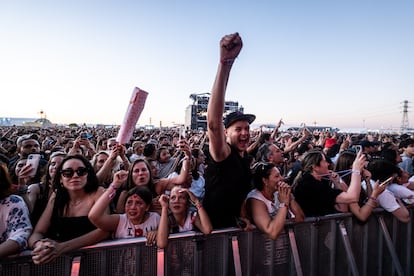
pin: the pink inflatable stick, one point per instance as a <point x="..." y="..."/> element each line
<point x="135" y="107"/>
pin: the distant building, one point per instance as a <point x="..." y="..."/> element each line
<point x="196" y="113"/>
<point x="32" y="122"/>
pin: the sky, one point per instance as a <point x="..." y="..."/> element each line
<point x="347" y="64"/>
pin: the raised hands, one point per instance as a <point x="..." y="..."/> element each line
<point x="119" y="178"/>
<point x="230" y="46"/>
<point x="284" y="191"/>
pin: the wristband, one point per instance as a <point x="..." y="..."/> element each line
<point x="228" y="61"/>
<point x="34" y="244"/>
<point x="373" y="198"/>
<point x="113" y="187"/>
<point x="282" y="204"/>
<point x="356" y="172"/>
<point x="113" y="193"/>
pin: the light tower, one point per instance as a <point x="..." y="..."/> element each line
<point x="404" y="121"/>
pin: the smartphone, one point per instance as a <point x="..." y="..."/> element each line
<point x="357" y="148"/>
<point x="33" y="159"/>
<point x="387" y="181"/>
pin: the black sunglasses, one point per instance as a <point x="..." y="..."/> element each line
<point x="81" y="171"/>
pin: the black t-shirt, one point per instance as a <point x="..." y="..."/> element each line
<point x="316" y="198"/>
<point x="227" y="185"/>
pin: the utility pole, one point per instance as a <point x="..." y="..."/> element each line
<point x="404" y="121"/>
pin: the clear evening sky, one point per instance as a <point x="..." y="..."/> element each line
<point x="338" y="63"/>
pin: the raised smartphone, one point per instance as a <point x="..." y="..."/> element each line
<point x="33" y="159"/>
<point x="387" y="181"/>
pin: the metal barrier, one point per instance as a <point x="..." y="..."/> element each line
<point x="331" y="245"/>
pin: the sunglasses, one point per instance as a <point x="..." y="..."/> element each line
<point x="81" y="171"/>
<point x="262" y="166"/>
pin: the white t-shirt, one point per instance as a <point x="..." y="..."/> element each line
<point x="386" y="199"/>
<point x="400" y="191"/>
<point x="272" y="206"/>
<point x="188" y="224"/>
<point x="126" y="229"/>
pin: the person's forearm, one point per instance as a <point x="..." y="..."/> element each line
<point x="106" y="170"/>
<point x="90" y="238"/>
<point x="294" y="145"/>
<point x="34" y="238"/>
<point x="253" y="146"/>
<point x="363" y="213"/>
<point x="277" y="224"/>
<point x="8" y="248"/>
<point x="217" y="98"/>
<point x="205" y="222"/>
<point x="352" y="194"/>
<point x="163" y="229"/>
<point x="98" y="209"/>
<point x="297" y="211"/>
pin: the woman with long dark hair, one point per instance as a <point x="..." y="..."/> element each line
<point x="64" y="224"/>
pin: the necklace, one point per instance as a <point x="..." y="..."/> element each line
<point x="75" y="203"/>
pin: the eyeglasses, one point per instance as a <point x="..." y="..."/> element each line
<point x="67" y="173"/>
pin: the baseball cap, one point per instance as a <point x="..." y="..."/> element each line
<point x="25" y="137"/>
<point x="238" y="116"/>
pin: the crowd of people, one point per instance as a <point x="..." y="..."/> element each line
<point x="87" y="187"/>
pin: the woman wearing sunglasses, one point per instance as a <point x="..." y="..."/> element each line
<point x="271" y="202"/>
<point x="64" y="224"/>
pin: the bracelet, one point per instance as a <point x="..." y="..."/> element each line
<point x="373" y="198"/>
<point x="113" y="193"/>
<point x="34" y="244"/>
<point x="197" y="204"/>
<point x="113" y="187"/>
<point x="228" y="61"/>
<point x="356" y="172"/>
<point x="282" y="204"/>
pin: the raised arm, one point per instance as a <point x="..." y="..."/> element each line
<point x="168" y="183"/>
<point x="294" y="145"/>
<point x="202" y="220"/>
<point x="230" y="46"/>
<point x="164" y="226"/>
<point x="363" y="213"/>
<point x="352" y="194"/>
<point x="274" y="132"/>
<point x="106" y="169"/>
<point x="99" y="214"/>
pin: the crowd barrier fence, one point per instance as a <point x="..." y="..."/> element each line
<point x="332" y="245"/>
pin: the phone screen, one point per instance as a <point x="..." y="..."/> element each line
<point x="33" y="159"/>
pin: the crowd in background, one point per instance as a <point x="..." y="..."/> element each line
<point x="65" y="188"/>
<point x="156" y="161"/>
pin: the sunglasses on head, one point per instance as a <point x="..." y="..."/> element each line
<point x="81" y="171"/>
<point x="262" y="166"/>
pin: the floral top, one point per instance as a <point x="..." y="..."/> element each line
<point x="14" y="220"/>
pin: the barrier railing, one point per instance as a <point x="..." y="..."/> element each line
<point x="331" y="245"/>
